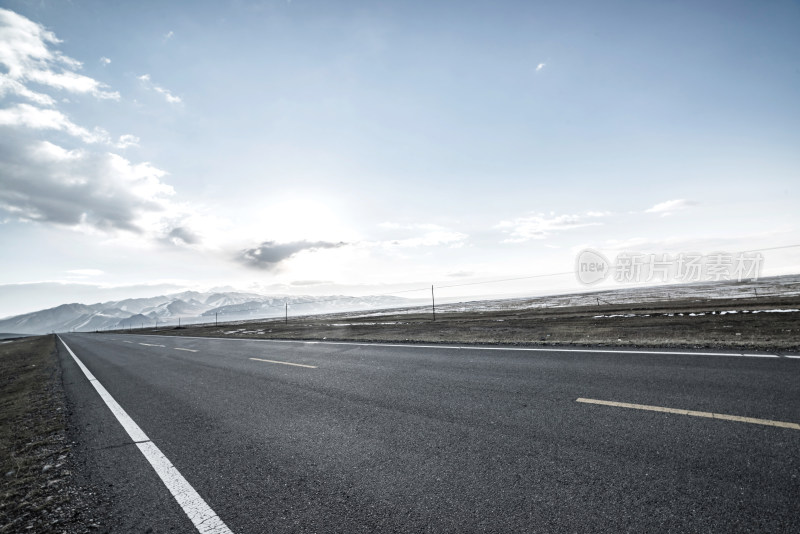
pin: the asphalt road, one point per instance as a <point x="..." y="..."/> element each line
<point x="373" y="438"/>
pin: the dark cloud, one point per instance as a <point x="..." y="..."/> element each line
<point x="460" y="274"/>
<point x="181" y="235"/>
<point x="41" y="181"/>
<point x="269" y="253"/>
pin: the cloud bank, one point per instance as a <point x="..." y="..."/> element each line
<point x="55" y="171"/>
<point x="541" y="226"/>
<point x="27" y="55"/>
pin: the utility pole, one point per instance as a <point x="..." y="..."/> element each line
<point x="433" y="303"/>
<point x="179" y="322"/>
<point x="286" y="303"/>
<point x="216" y="318"/>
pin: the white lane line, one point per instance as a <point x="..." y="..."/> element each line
<point x="710" y="415"/>
<point x="131" y="342"/>
<point x="285" y="363"/>
<point x="187" y="350"/>
<point x="150" y="345"/>
<point x="480" y="347"/>
<point x="205" y="520"/>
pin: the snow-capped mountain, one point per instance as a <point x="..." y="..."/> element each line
<point x="188" y="307"/>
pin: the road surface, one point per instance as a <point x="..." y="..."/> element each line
<point x="336" y="437"/>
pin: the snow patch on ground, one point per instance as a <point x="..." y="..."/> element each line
<point x="791" y="310"/>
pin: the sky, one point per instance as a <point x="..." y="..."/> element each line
<point x="365" y="147"/>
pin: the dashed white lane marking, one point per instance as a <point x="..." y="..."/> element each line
<point x="150" y="345"/>
<point x="285" y="363"/>
<point x="131" y="342"/>
<point x="205" y="520"/>
<point x="187" y="350"/>
<point x="480" y="347"/>
<point x="710" y="415"/>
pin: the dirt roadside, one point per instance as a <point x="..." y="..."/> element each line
<point x="41" y="489"/>
<point x="763" y="323"/>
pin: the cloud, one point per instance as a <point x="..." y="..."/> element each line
<point x="541" y="226"/>
<point x="54" y="171"/>
<point x="166" y="93"/>
<point x="27" y="56"/>
<point x="169" y="35"/>
<point x="540" y="66"/>
<point x="671" y="206"/>
<point x="303" y="283"/>
<point x="269" y="254"/>
<point x="169" y="97"/>
<point x="13" y="87"/>
<point x="45" y="182"/>
<point x="28" y="116"/>
<point x="180" y="235"/>
<point x="426" y="235"/>
<point x="105" y="61"/>
<point x="126" y="141"/>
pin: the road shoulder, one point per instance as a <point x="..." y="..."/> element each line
<point x="42" y="487"/>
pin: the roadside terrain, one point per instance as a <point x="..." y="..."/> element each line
<point x="770" y="323"/>
<point x="41" y="488"/>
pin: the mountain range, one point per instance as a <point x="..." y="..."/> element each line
<point x="187" y="307"/>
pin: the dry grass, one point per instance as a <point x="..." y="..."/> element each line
<point x="648" y="324"/>
<point x="31" y="431"/>
<point x="37" y="485"/>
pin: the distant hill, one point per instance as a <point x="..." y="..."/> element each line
<point x="7" y="335"/>
<point x="189" y="307"/>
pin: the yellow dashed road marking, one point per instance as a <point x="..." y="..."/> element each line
<point x="768" y="422"/>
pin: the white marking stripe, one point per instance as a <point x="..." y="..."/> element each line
<point x="131" y="342"/>
<point x="150" y="345"/>
<point x="202" y="516"/>
<point x="753" y="420"/>
<point x="479" y="347"/>
<point x="285" y="363"/>
<point x="187" y="350"/>
<point x="205" y="520"/>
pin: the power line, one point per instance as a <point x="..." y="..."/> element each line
<point x="416" y="290"/>
<point x="766" y="249"/>
<point x="388" y="294"/>
<point x="507" y="279"/>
